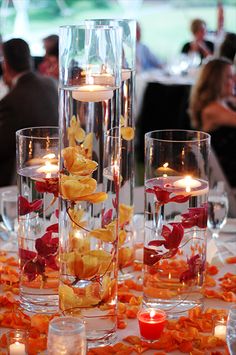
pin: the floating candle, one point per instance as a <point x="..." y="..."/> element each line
<point x="48" y="169"/>
<point x="165" y="170"/>
<point x="187" y="183"/>
<point x="17" y="349"/>
<point x="151" y="323"/>
<point x="92" y="93"/>
<point x="220" y="331"/>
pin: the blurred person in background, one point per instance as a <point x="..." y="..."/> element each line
<point x="199" y="44"/>
<point x="228" y="47"/>
<point x="31" y="101"/>
<point x="211" y="110"/>
<point x="145" y="59"/>
<point x="50" y="64"/>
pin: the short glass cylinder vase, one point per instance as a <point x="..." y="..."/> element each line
<point x="89" y="179"/>
<point x="176" y="191"/>
<point x="37" y="178"/>
<point x="127" y="93"/>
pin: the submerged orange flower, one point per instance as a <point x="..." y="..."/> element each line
<point x="74" y="188"/>
<point x="125" y="214"/>
<point x="127" y="133"/>
<point x="75" y="133"/>
<point x="76" y="163"/>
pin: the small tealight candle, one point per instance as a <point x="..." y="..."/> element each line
<point x="220" y="330"/>
<point x="92" y="93"/>
<point x="187" y="183"/>
<point x="151" y="323"/>
<point x="17" y="349"/>
<point x="48" y="169"/>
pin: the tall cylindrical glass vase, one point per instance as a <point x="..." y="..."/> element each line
<point x="127" y="90"/>
<point x="37" y="178"/>
<point x="90" y="69"/>
<point x="176" y="191"/>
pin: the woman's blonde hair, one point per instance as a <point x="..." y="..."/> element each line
<point x="208" y="88"/>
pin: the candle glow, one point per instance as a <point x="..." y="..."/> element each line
<point x="92" y="93"/>
<point x="17" y="348"/>
<point x="187" y="183"/>
<point x="48" y="169"/>
<point x="151" y="323"/>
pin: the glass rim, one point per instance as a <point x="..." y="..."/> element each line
<point x="86" y="26"/>
<point x="74" y="321"/>
<point x="206" y="136"/>
<point x="160" y="311"/>
<point x="112" y="19"/>
<point x="22" y="130"/>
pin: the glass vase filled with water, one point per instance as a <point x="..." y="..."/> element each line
<point x="176" y="191"/>
<point x="37" y="180"/>
<point x="89" y="176"/>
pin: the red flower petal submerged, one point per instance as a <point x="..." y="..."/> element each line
<point x="53" y="228"/>
<point x="163" y="196"/>
<point x="33" y="268"/>
<point x="25" y="207"/>
<point x="196" y="216"/>
<point x="46" y="245"/>
<point x="107" y="217"/>
<point x="50" y="185"/>
<point x="172" y="237"/>
<point x="196" y="267"/>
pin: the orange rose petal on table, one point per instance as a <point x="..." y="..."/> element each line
<point x="132" y="312"/>
<point x="37" y="345"/>
<point x="3" y="341"/>
<point x="231" y="260"/>
<point x="124" y="296"/>
<point x="228" y="296"/>
<point x="121" y="324"/>
<point x="186" y="346"/>
<point x="40" y="322"/>
<point x="209" y="281"/>
<point x="132" y="339"/>
<point x="212" y="270"/>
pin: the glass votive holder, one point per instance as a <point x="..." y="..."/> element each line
<point x="138" y="221"/>
<point x="66" y="335"/>
<point x="151" y="323"/>
<point x="16" y="342"/>
<point x="219" y="330"/>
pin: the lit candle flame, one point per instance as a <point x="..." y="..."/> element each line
<point x="152" y="313"/>
<point x="49" y="156"/>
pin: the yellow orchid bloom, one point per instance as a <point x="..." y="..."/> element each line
<point x="127" y="133"/>
<point x="75" y="188"/>
<point x="76" y="163"/>
<point x="125" y="214"/>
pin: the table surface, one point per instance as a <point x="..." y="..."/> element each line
<point x="218" y="251"/>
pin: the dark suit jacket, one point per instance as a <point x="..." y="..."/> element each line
<point x="32" y="102"/>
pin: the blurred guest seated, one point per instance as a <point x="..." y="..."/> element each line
<point x="199" y="45"/>
<point x="211" y="110"/>
<point x="50" y="66"/>
<point x="32" y="101"/>
<point x="145" y="59"/>
<point x="228" y="47"/>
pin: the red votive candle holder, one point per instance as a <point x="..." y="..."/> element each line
<point x="151" y="323"/>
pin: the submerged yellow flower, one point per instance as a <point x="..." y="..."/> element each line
<point x="125" y="213"/>
<point x="74" y="188"/>
<point x="127" y="133"/>
<point x="76" y="163"/>
<point x="75" y="133"/>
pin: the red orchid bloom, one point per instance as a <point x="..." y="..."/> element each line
<point x="163" y="196"/>
<point x="107" y="217"/>
<point x="172" y="237"/>
<point x="25" y="207"/>
<point x="33" y="268"/>
<point x="195" y="267"/>
<point x="152" y="256"/>
<point x="46" y="245"/>
<point x="54" y="228"/>
<point x="50" y="185"/>
<point x="25" y="255"/>
<point x="195" y="217"/>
